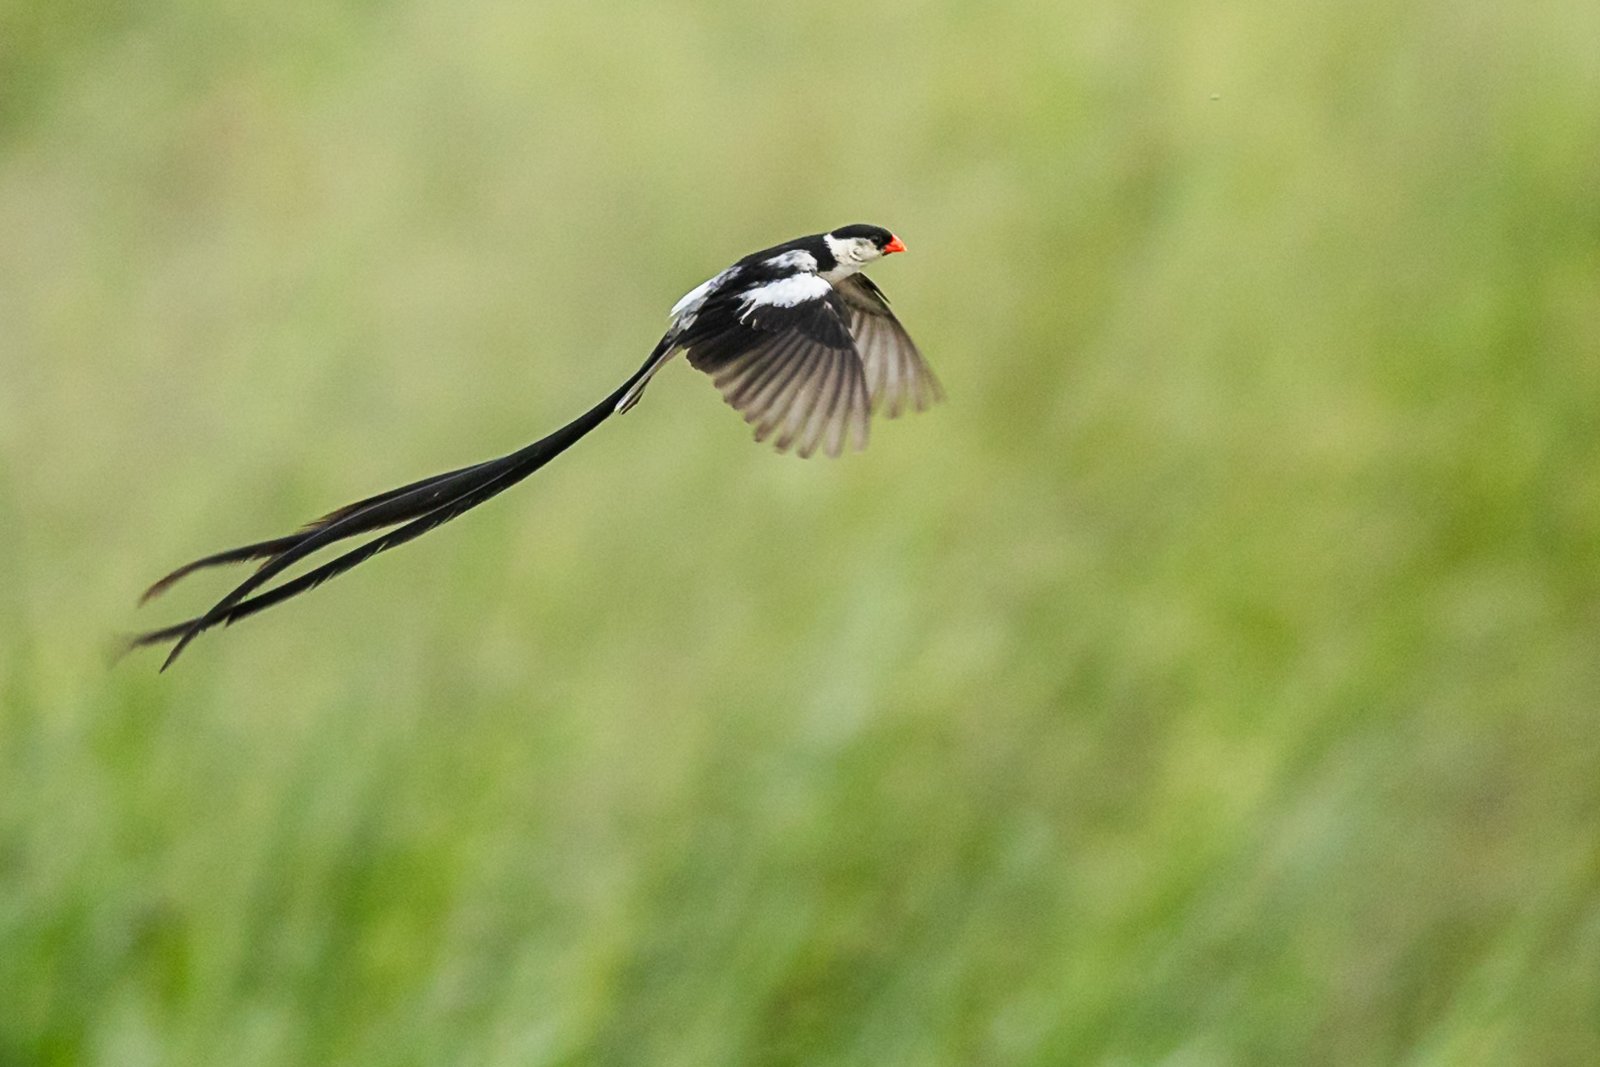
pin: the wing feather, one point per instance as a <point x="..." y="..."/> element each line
<point x="785" y="361"/>
<point x="897" y="376"/>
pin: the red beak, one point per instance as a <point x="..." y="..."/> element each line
<point x="894" y="245"/>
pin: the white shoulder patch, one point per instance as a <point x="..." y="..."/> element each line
<point x="794" y="259"/>
<point x="787" y="292"/>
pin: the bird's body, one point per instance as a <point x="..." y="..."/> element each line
<point x="795" y="337"/>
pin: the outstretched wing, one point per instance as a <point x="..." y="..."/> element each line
<point x="897" y="376"/>
<point x="782" y="355"/>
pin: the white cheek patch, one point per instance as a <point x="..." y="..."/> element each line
<point x="840" y="249"/>
<point x="851" y="254"/>
<point x="787" y="292"/>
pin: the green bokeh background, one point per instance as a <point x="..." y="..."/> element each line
<point x="1214" y="679"/>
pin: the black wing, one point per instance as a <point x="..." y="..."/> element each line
<point x="897" y="376"/>
<point x="790" y="368"/>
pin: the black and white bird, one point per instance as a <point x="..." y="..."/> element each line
<point x="798" y="340"/>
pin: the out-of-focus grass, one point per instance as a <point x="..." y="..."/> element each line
<point x="1212" y="680"/>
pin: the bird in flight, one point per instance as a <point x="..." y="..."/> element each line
<point x="797" y="339"/>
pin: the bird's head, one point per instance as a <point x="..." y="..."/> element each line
<point x="860" y="244"/>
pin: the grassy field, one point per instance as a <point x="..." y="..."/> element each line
<point x="1214" y="679"/>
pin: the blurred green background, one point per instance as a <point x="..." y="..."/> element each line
<point x="1213" y="679"/>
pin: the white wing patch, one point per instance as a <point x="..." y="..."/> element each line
<point x="794" y="259"/>
<point x="786" y="292"/>
<point x="690" y="302"/>
<point x="693" y="296"/>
